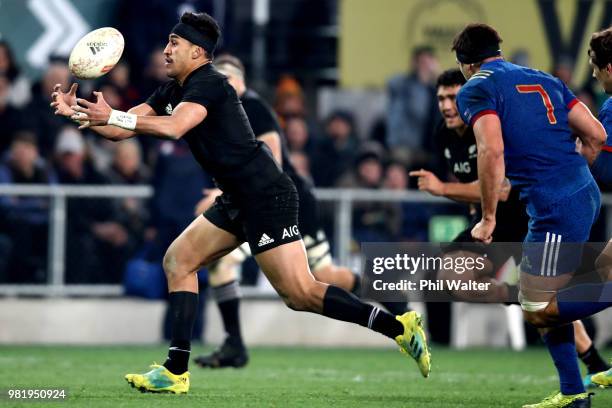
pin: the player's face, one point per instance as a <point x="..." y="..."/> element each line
<point x="602" y="75"/>
<point x="177" y="56"/>
<point x="447" y="104"/>
<point x="465" y="70"/>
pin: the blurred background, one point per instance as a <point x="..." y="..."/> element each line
<point x="84" y="223"/>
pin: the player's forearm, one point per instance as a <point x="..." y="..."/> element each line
<point x="490" y="176"/>
<point x="464" y="192"/>
<point x="589" y="130"/>
<point x="162" y="127"/>
<point x="113" y="133"/>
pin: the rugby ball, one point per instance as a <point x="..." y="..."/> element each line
<point x="96" y="53"/>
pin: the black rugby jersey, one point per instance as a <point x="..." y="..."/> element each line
<point x="223" y="143"/>
<point x="461" y="155"/>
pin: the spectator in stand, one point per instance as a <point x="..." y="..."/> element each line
<point x="41" y="119"/>
<point x="564" y="70"/>
<point x="96" y="241"/>
<point x="119" y="77"/>
<point x="296" y="133"/>
<point x="127" y="168"/>
<point x="412" y="112"/>
<point x="154" y="72"/>
<point x="19" y="89"/>
<point x="25" y="220"/>
<point x="335" y="152"/>
<point x="101" y="151"/>
<point x="412" y="218"/>
<point x="11" y="119"/>
<point x="289" y="100"/>
<point x="373" y="221"/>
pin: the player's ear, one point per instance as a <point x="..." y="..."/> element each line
<point x="609" y="69"/>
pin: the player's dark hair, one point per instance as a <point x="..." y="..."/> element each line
<point x="450" y="77"/>
<point x="229" y="59"/>
<point x="600" y="48"/>
<point x="205" y="25"/>
<point x="476" y="42"/>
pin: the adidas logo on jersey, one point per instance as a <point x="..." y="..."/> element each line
<point x="169" y="109"/>
<point x="265" y="240"/>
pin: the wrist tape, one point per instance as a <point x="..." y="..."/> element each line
<point x="122" y="119"/>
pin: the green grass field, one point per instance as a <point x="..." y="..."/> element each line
<point x="290" y="377"/>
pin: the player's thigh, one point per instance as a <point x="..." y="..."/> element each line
<point x="199" y="244"/>
<point x="286" y="267"/>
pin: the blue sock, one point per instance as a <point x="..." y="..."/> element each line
<point x="580" y="301"/>
<point x="560" y="343"/>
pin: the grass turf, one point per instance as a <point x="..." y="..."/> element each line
<point x="290" y="377"/>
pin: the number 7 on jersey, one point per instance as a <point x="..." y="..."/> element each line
<point x="550" y="109"/>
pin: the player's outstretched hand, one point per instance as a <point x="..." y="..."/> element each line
<point x="483" y="231"/>
<point x="62" y="102"/>
<point x="428" y="182"/>
<point x="90" y="113"/>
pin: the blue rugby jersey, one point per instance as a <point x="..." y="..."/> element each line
<point x="539" y="150"/>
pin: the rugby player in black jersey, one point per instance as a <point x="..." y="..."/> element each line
<point x="222" y="275"/>
<point x="259" y="203"/>
<point x="459" y="149"/>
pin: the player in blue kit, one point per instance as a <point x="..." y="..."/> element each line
<point x="600" y="59"/>
<point x="523" y="120"/>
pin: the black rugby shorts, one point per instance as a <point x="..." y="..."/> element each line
<point x="265" y="220"/>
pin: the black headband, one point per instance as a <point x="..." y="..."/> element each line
<point x="196" y="37"/>
<point x="487" y="52"/>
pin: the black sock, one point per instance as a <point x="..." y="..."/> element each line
<point x="183" y="310"/>
<point x="396" y="308"/>
<point x="341" y="305"/>
<point x="593" y="361"/>
<point x="228" y="300"/>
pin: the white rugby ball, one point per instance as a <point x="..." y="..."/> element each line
<point x="96" y="53"/>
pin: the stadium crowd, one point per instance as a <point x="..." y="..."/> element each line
<point x="38" y="147"/>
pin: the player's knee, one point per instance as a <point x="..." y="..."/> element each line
<point x="302" y="298"/>
<point x="174" y="266"/>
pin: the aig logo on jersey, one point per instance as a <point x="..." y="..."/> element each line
<point x="462" y="167"/>
<point x="290" y="232"/>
